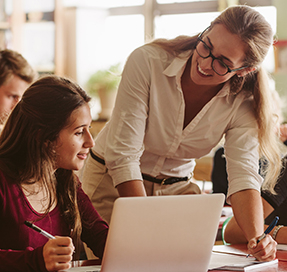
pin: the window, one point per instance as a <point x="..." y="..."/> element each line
<point x="170" y="26"/>
<point x="122" y="35"/>
<point x="126" y="26"/>
<point x="126" y="23"/>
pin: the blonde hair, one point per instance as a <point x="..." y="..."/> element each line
<point x="256" y="33"/>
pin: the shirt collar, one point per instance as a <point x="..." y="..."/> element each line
<point x="225" y="90"/>
<point x="178" y="64"/>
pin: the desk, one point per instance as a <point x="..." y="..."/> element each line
<point x="281" y="255"/>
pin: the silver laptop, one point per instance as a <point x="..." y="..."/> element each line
<point x="162" y="233"/>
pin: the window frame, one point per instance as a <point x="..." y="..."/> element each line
<point x="150" y="9"/>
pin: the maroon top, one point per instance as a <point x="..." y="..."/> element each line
<point x="21" y="247"/>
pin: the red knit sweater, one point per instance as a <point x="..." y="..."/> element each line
<point x="21" y="247"/>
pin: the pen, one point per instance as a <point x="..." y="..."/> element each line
<point x="267" y="231"/>
<point x="270" y="227"/>
<point x="32" y="226"/>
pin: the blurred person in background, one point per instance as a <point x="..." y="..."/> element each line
<point x="16" y="74"/>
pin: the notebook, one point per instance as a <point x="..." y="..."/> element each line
<point x="93" y="268"/>
<point x="162" y="233"/>
<point x="228" y="262"/>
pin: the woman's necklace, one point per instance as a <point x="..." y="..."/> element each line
<point x="38" y="196"/>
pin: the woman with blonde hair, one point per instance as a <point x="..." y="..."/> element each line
<point x="176" y="100"/>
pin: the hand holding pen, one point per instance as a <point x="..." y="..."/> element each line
<point x="267" y="231"/>
<point x="57" y="252"/>
<point x="34" y="227"/>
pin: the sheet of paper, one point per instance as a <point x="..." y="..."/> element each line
<point x="219" y="259"/>
<point x="229" y="250"/>
<point x="282" y="247"/>
<point x="94" y="268"/>
<point x="227" y="211"/>
<point x="235" y="262"/>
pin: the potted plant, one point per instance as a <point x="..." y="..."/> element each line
<point x="104" y="84"/>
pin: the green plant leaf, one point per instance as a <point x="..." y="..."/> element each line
<point x="107" y="80"/>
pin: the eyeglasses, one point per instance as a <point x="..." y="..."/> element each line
<point x="218" y="66"/>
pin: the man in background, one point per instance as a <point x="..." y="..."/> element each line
<point x="16" y="74"/>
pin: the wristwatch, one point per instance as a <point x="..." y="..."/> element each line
<point x="276" y="231"/>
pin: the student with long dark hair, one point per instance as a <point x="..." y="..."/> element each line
<point x="45" y="138"/>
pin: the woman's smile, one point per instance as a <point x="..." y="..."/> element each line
<point x="201" y="71"/>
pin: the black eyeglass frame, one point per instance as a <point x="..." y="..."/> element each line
<point x="199" y="39"/>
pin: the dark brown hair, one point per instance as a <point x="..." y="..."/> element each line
<point x="26" y="143"/>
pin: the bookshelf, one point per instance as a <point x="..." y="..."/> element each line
<point x="34" y="29"/>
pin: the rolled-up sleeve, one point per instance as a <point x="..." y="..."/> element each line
<point x="242" y="151"/>
<point x="127" y="127"/>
